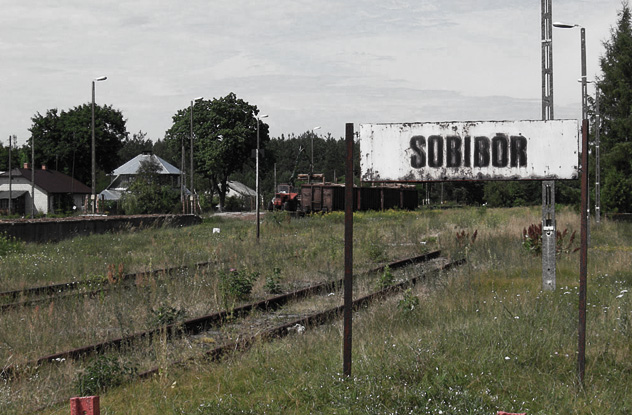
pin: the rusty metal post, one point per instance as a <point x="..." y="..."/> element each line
<point x="348" y="280"/>
<point x="583" y="264"/>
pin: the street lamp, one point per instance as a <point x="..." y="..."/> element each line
<point x="311" y="167"/>
<point x="257" y="173"/>
<point x="94" y="174"/>
<point x="583" y="269"/>
<point x="192" y="103"/>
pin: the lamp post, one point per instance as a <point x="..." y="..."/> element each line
<point x="311" y="167"/>
<point x="10" y="178"/>
<point x="94" y="175"/>
<point x="192" y="103"/>
<point x="597" y="168"/>
<point x="583" y="269"/>
<point x="257" y="173"/>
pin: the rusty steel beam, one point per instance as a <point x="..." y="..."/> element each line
<point x="55" y="289"/>
<point x="348" y="278"/>
<point x="408" y="261"/>
<point x="583" y="262"/>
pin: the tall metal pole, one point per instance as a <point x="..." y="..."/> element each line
<point x="348" y="276"/>
<point x="94" y="175"/>
<point x="191" y="149"/>
<point x="32" y="177"/>
<point x="583" y="269"/>
<point x="548" y="186"/>
<point x="182" y="178"/>
<point x="94" y="181"/>
<point x="585" y="117"/>
<point x="191" y="160"/>
<point x="583" y="264"/>
<point x="597" y="168"/>
<point x="257" y="179"/>
<point x="10" y="177"/>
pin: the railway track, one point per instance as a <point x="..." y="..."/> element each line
<point x="269" y="327"/>
<point x="198" y="325"/>
<point x="30" y="297"/>
<point x="95" y="286"/>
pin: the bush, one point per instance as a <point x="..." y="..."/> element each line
<point x="273" y="282"/>
<point x="165" y="315"/>
<point x="236" y="285"/>
<point x="385" y="280"/>
<point x="101" y="374"/>
<point x="9" y="244"/>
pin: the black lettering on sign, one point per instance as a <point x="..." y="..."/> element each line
<point x="418" y="157"/>
<point x="500" y="150"/>
<point x="468" y="153"/>
<point x="435" y="151"/>
<point x="518" y="151"/>
<point x="481" y="151"/>
<point x="453" y="144"/>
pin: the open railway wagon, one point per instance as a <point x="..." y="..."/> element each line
<point x="327" y="197"/>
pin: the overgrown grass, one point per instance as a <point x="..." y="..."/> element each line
<point x="482" y="338"/>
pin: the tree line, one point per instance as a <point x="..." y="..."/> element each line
<point x="226" y="129"/>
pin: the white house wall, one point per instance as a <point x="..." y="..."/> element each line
<point x="41" y="198"/>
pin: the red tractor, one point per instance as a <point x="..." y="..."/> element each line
<point x="286" y="198"/>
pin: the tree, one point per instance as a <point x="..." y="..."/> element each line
<point x="134" y="146"/>
<point x="615" y="86"/>
<point x="63" y="140"/>
<point x="147" y="193"/>
<point x="225" y="135"/>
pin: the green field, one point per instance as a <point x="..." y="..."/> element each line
<point x="482" y="337"/>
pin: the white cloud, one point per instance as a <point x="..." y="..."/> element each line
<point x="303" y="62"/>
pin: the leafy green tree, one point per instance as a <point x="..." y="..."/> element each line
<point x="138" y="144"/>
<point x="4" y="156"/>
<point x="615" y="103"/>
<point x="225" y="135"/>
<point x="63" y="140"/>
<point x="148" y="193"/>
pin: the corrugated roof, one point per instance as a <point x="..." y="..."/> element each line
<point x="241" y="188"/>
<point x="52" y="181"/>
<point x="132" y="166"/>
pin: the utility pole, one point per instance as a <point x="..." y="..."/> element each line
<point x="32" y="177"/>
<point x="597" y="170"/>
<point x="10" y="177"/>
<point x="548" y="186"/>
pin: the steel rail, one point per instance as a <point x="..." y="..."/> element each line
<point x="198" y="324"/>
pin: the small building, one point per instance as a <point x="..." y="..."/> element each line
<point x="55" y="192"/>
<point x="123" y="176"/>
<point x="246" y="196"/>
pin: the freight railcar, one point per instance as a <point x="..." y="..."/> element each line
<point x="323" y="197"/>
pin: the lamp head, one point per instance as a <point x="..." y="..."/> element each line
<point x="101" y="78"/>
<point x="565" y="25"/>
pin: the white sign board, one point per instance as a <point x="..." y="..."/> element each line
<point x="487" y="150"/>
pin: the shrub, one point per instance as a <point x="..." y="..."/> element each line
<point x="273" y="282"/>
<point x="385" y="280"/>
<point x="165" y="315"/>
<point x="236" y="285"/>
<point x="9" y="244"/>
<point x="101" y="374"/>
<point x="408" y="304"/>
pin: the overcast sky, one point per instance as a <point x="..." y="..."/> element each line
<point x="304" y="63"/>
